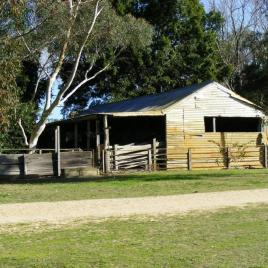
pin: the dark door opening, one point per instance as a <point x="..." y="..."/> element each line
<point x="137" y="130"/>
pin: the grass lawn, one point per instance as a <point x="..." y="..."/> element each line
<point x="228" y="238"/>
<point x="134" y="185"/>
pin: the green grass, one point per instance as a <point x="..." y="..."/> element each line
<point x="134" y="185"/>
<point x="228" y="238"/>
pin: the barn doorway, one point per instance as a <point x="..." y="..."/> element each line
<point x="137" y="130"/>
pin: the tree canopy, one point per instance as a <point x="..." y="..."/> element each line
<point x="78" y="52"/>
<point x="85" y="35"/>
<point x="183" y="51"/>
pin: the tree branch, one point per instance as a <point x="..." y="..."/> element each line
<point x="79" y="54"/>
<point x="87" y="79"/>
<point x="23" y="132"/>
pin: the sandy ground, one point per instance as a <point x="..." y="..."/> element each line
<point x="65" y="211"/>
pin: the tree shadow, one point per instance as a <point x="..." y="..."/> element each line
<point x="137" y="177"/>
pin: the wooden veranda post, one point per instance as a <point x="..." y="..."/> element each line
<point x="57" y="150"/>
<point x="106" y="143"/>
<point x="98" y="151"/>
<point x="214" y="124"/>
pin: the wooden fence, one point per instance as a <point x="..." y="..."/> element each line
<point x="154" y="157"/>
<point x="44" y="164"/>
<point x="130" y="156"/>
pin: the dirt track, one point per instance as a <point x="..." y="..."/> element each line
<point x="65" y="211"/>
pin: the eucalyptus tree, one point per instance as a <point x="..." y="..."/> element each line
<point x="75" y="32"/>
<point x="183" y="51"/>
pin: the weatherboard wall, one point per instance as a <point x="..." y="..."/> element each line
<point x="185" y="127"/>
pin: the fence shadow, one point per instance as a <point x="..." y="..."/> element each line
<point x="138" y="177"/>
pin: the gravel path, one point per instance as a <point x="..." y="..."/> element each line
<point x="65" y="211"/>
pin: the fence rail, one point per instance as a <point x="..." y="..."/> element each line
<point x="152" y="157"/>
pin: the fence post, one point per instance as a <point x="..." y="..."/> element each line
<point x="189" y="159"/>
<point x="103" y="161"/>
<point x="25" y="165"/>
<point x="107" y="161"/>
<point x="227" y="158"/>
<point x="149" y="160"/>
<point x="265" y="156"/>
<point x="93" y="158"/>
<point x="115" y="157"/>
<point x="154" y="153"/>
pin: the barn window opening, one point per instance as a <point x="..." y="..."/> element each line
<point x="232" y="124"/>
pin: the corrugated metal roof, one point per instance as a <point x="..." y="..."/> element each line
<point x="150" y="103"/>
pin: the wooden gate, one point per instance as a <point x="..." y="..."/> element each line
<point x="142" y="157"/>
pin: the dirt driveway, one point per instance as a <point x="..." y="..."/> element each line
<point x="64" y="211"/>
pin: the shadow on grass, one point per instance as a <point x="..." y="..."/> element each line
<point x="142" y="177"/>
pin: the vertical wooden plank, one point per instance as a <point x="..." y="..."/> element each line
<point x="149" y="160"/>
<point x="93" y="158"/>
<point x="98" y="140"/>
<point x="103" y="161"/>
<point x="227" y="155"/>
<point x="115" y="157"/>
<point x="88" y="134"/>
<point x="214" y="124"/>
<point x="58" y="152"/>
<point x="75" y="135"/>
<point x="189" y="159"/>
<point x="154" y="154"/>
<point x="265" y="156"/>
<point x="107" y="161"/>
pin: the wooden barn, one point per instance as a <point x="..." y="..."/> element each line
<point x="195" y="127"/>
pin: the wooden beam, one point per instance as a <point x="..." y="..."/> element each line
<point x="106" y="143"/>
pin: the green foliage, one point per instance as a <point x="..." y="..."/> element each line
<point x="47" y="31"/>
<point x="15" y="82"/>
<point x="183" y="52"/>
<point x="255" y="72"/>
